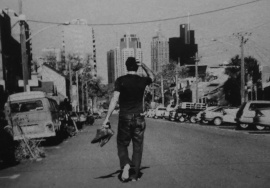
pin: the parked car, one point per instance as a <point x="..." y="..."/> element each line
<point x="82" y="117"/>
<point x="90" y="119"/>
<point x="150" y="113"/>
<point x="169" y="109"/>
<point x="199" y="115"/>
<point x="74" y="116"/>
<point x="246" y="113"/>
<point x="262" y="117"/>
<point x="159" y="112"/>
<point x="96" y="115"/>
<point x="172" y="115"/>
<point x="102" y="112"/>
<point x="219" y="115"/>
<point x="33" y="114"/>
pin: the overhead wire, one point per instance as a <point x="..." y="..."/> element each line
<point x="166" y="19"/>
<point x="266" y="50"/>
<point x="258" y="51"/>
<point x="156" y="20"/>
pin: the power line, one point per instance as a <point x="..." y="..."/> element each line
<point x="257" y="26"/>
<point x="157" y="20"/>
<point x="259" y="49"/>
<point x="255" y="50"/>
<point x="266" y="50"/>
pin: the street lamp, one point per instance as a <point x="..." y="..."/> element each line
<point x="23" y="41"/>
<point x="45" y="28"/>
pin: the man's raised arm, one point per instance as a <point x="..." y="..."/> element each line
<point x="148" y="71"/>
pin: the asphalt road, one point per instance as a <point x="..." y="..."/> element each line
<point x="175" y="155"/>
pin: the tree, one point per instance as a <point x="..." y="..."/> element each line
<point x="171" y="72"/>
<point x="51" y="60"/>
<point x="96" y="90"/>
<point x="232" y="86"/>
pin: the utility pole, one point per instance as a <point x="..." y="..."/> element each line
<point x="176" y="81"/>
<point x="23" y="47"/>
<point x="243" y="40"/>
<point x="86" y="97"/>
<point x="82" y="95"/>
<point x="196" y="76"/>
<point x="162" y="90"/>
<point x="77" y="83"/>
<point x="70" y="81"/>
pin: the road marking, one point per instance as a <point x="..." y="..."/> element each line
<point x="229" y="129"/>
<point x="11" y="177"/>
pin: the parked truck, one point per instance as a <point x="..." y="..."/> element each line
<point x="187" y="111"/>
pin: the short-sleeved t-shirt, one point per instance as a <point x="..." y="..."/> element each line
<point x="131" y="88"/>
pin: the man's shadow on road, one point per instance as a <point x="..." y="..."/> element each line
<point x="119" y="173"/>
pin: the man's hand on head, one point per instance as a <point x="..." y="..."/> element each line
<point x="138" y="62"/>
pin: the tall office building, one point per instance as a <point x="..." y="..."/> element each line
<point x="130" y="46"/>
<point x="183" y="49"/>
<point x="113" y="64"/>
<point x="110" y="66"/>
<point x="159" y="52"/>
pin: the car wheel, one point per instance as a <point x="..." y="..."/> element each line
<point x="243" y="126"/>
<point x="217" y="121"/>
<point x="193" y="119"/>
<point x="181" y="119"/>
<point x="259" y="127"/>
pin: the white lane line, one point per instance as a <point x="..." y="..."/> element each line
<point x="15" y="176"/>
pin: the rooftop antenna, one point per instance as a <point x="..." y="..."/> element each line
<point x="127" y="38"/>
<point x="116" y="39"/>
<point x="188" y="21"/>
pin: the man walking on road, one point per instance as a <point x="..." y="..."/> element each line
<point x="129" y="90"/>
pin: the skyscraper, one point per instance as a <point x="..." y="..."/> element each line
<point x="130" y="46"/>
<point x="110" y="66"/>
<point x="183" y="48"/>
<point x="113" y="64"/>
<point x="159" y="52"/>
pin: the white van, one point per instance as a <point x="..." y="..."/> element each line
<point x="33" y="115"/>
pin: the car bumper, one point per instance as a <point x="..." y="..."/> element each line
<point x="261" y="122"/>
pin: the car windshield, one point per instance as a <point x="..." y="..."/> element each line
<point x="218" y="109"/>
<point x="26" y="106"/>
<point x="255" y="106"/>
<point x="211" y="108"/>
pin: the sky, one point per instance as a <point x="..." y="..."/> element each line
<point x="214" y="24"/>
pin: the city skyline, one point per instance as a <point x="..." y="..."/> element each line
<point x="129" y="46"/>
<point x="214" y="30"/>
